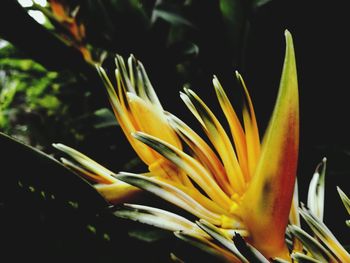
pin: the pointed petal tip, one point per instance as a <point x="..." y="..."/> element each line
<point x="184" y="96"/>
<point x="99" y="69"/>
<point x="59" y="146"/>
<point x="63" y="160"/>
<point x="216" y="82"/>
<point x="287" y="33"/>
<point x="238" y="75"/>
<point x="118" y="59"/>
<point x="177" y="234"/>
<point x="289" y="38"/>
<point x="188" y="92"/>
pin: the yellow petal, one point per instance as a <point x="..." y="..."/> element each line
<point x="251" y="129"/>
<point x="267" y="202"/>
<point x="158" y="218"/>
<point x="235" y="126"/>
<point x="144" y="85"/>
<point x="205" y="202"/>
<point x="84" y="172"/>
<point x="123" y="116"/>
<point x="294" y="217"/>
<point x="219" y="139"/>
<point x="119" y="192"/>
<point x="164" y="169"/>
<point x="171" y="194"/>
<point x="125" y="80"/>
<point x="190" y="166"/>
<point x="203" y="152"/>
<point x="151" y="120"/>
<point x="91" y="169"/>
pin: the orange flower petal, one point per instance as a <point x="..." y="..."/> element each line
<point x="267" y="202"/>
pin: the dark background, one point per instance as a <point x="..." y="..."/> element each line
<point x="320" y="32"/>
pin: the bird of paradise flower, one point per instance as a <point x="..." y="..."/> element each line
<point x="244" y="187"/>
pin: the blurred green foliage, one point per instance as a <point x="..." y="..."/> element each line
<point x="33" y="100"/>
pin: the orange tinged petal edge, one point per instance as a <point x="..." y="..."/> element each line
<point x="267" y="202"/>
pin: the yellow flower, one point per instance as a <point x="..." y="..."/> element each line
<point x="239" y="185"/>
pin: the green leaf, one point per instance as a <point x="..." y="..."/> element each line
<point x="49" y="102"/>
<point x="171" y="16"/>
<point x="234" y="14"/>
<point x="182" y="50"/>
<point x="7" y="94"/>
<point x="21" y="64"/>
<point x="259" y="3"/>
<point x="104" y="118"/>
<point x="148" y="235"/>
<point x="33" y="169"/>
